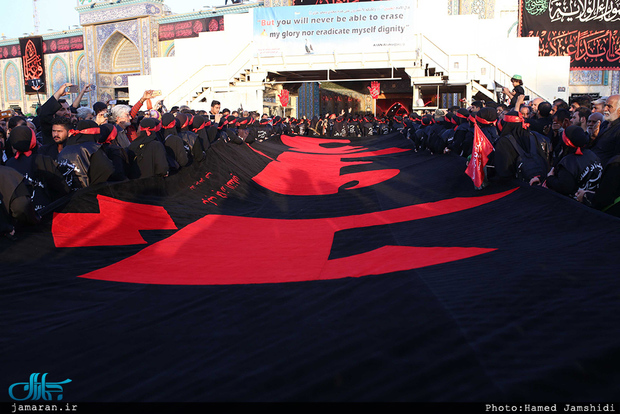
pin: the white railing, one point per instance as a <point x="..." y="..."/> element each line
<point x="183" y="94"/>
<point x="470" y="69"/>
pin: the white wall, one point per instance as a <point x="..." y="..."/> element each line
<point x="209" y="60"/>
<point x="206" y="56"/>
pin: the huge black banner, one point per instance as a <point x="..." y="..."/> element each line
<point x="308" y="269"/>
<point x="588" y="30"/>
<point x="33" y="64"/>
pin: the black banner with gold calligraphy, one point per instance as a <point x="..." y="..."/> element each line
<point x="587" y="31"/>
<point x="33" y="65"/>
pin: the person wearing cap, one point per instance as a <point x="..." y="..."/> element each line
<point x="517" y="94"/>
<point x="579" y="169"/>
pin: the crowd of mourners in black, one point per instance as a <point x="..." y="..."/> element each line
<point x="573" y="149"/>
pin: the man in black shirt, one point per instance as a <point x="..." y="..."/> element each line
<point x="607" y="143"/>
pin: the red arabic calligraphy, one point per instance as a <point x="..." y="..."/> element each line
<point x="33" y="68"/>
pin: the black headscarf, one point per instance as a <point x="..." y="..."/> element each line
<point x="23" y="141"/>
<point x="85" y="131"/>
<point x="515" y="129"/>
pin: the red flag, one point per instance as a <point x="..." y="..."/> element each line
<point x="479" y="157"/>
<point x="284" y="97"/>
<point x="375" y="89"/>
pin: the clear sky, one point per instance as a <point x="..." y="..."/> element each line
<point x="61" y="14"/>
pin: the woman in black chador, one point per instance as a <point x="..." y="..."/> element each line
<point x="83" y="151"/>
<point x="147" y="155"/>
<point x="579" y="169"/>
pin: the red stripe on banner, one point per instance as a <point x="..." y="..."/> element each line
<point x="298" y="249"/>
<point x="118" y="223"/>
<point x="310" y="169"/>
<point x="390" y="259"/>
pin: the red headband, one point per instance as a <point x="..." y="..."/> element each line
<point x="460" y="115"/>
<point x="568" y="143"/>
<point x="87" y="131"/>
<point x="186" y="123"/>
<point x="149" y="131"/>
<point x="33" y="143"/>
<point x="512" y="118"/>
<point x="200" y="127"/>
<point x="223" y="125"/>
<point x="170" y="125"/>
<point x="112" y="136"/>
<point x="484" y="121"/>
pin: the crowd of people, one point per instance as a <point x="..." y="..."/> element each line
<point x="573" y="149"/>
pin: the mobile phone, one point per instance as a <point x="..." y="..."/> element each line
<point x="72" y="89"/>
<point x="156" y="93"/>
<point x="211" y="116"/>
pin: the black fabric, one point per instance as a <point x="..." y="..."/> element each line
<point x="529" y="321"/>
<point x="9" y="181"/>
<point x="92" y="166"/>
<point x="576" y="172"/>
<point x="528" y="163"/>
<point x="147" y="157"/>
<point x="609" y="189"/>
<point x="175" y="150"/>
<point x="50" y="150"/>
<point x="607" y="144"/>
<point x="120" y="161"/>
<point x="539" y="124"/>
<point x="16" y="205"/>
<point x="459" y="139"/>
